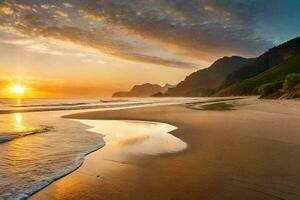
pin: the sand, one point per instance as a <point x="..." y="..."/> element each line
<point x="250" y="152"/>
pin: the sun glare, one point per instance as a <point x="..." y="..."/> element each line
<point x="18" y="89"/>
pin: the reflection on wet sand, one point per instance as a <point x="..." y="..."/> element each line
<point x="137" y="137"/>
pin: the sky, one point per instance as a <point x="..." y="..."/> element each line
<point x="89" y="48"/>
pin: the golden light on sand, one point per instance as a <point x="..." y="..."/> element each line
<point x="18" y="89"/>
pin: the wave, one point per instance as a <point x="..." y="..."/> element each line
<point x="38" y="186"/>
<point x="68" y="104"/>
<point x="49" y="105"/>
<point x="73" y="107"/>
<point x="9" y="136"/>
<point x="114" y="101"/>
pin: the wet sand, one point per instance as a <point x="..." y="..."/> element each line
<point x="249" y="152"/>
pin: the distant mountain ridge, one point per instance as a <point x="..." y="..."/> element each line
<point x="144" y="90"/>
<point x="232" y="76"/>
<point x="204" y="81"/>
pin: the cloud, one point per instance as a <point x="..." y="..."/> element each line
<point x="62" y="13"/>
<point x="157" y="60"/>
<point x="6" y="10"/>
<point x="183" y="24"/>
<point x="106" y="41"/>
<point x="67" y="5"/>
<point x="20" y="42"/>
<point x="42" y="48"/>
<point x="182" y="30"/>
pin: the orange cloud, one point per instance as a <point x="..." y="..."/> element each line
<point x="67" y="5"/>
<point x="62" y="14"/>
<point x="6" y="10"/>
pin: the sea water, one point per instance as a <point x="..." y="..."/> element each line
<point x="38" y="146"/>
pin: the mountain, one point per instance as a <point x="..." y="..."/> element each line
<point x="144" y="90"/>
<point x="273" y="64"/>
<point x="204" y="81"/>
<point x="275" y="74"/>
<point x="264" y="62"/>
<point x="166" y="88"/>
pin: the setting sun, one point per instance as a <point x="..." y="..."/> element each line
<point x="18" y="89"/>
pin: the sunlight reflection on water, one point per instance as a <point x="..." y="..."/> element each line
<point x="19" y="126"/>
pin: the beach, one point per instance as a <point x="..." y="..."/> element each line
<point x="248" y="150"/>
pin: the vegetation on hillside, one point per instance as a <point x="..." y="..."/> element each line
<point x="264" y="62"/>
<point x="273" y="75"/>
<point x="291" y="81"/>
<point x="289" y="88"/>
<point x="269" y="88"/>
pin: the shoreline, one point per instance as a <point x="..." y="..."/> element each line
<point x="62" y="171"/>
<point x="75" y="167"/>
<point x="205" y="152"/>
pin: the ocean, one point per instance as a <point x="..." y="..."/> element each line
<point x="38" y="146"/>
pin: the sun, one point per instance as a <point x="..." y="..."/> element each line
<point x="18" y="89"/>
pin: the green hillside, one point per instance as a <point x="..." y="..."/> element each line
<point x="267" y="60"/>
<point x="274" y="74"/>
